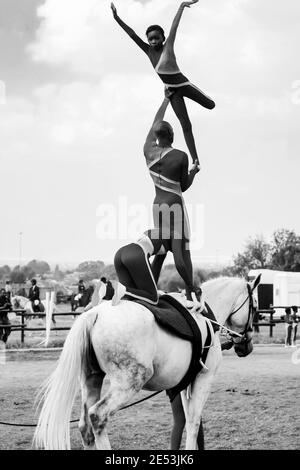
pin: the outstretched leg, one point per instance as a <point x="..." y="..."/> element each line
<point x="194" y="93"/>
<point x="90" y="390"/>
<point x="179" y="107"/>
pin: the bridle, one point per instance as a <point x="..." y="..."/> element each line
<point x="242" y="337"/>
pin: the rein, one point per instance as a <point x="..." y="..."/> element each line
<point x="23" y="425"/>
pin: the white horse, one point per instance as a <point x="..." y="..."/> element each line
<point x="125" y="343"/>
<point x="18" y="301"/>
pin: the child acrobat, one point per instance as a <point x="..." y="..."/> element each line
<point x="162" y="56"/>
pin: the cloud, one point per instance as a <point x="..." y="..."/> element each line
<point x="231" y="46"/>
<point x="84" y="35"/>
<point x="80" y="138"/>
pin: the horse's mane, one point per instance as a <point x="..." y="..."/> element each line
<point x="223" y="279"/>
<point x="223" y="282"/>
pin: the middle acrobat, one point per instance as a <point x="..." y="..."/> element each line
<point x="161" y="54"/>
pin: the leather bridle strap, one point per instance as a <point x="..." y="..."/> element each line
<point x="250" y="298"/>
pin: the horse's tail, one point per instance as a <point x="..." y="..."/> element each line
<point x="59" y="392"/>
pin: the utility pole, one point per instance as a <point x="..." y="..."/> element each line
<point x="20" y="248"/>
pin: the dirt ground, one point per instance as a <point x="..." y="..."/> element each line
<point x="254" y="404"/>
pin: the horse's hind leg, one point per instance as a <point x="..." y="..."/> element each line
<point x="90" y="390"/>
<point x="122" y="389"/>
<point x="115" y="398"/>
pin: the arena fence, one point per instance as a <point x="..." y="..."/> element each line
<point x="24" y="315"/>
<point x="270" y="322"/>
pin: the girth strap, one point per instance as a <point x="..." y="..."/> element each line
<point x="195" y="365"/>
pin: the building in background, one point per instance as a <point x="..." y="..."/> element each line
<point x="277" y="288"/>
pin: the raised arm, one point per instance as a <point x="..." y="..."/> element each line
<point x="187" y="177"/>
<point x="176" y="21"/>
<point x="151" y="139"/>
<point x="143" y="45"/>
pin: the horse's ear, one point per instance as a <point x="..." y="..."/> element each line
<point x="256" y="282"/>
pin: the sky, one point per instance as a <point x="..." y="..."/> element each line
<point x="77" y="98"/>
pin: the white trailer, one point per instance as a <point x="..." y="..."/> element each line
<point x="278" y="288"/>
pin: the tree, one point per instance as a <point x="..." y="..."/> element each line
<point x="201" y="275"/>
<point x="169" y="280"/>
<point x="285" y="250"/>
<point x="255" y="256"/>
<point x="20" y="275"/>
<point x="17" y="276"/>
<point x="58" y="275"/>
<point x="90" y="270"/>
<point x="109" y="272"/>
<point x="5" y="272"/>
<point x="39" y="267"/>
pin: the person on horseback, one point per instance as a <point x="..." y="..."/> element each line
<point x="134" y="272"/>
<point x="34" y="296"/>
<point x="162" y="56"/>
<point x="4" y="300"/>
<point x="8" y="289"/>
<point x="81" y="287"/>
<point x="169" y="170"/>
<point x="109" y="290"/>
<point x="102" y="291"/>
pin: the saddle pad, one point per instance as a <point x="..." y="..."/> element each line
<point x="172" y="315"/>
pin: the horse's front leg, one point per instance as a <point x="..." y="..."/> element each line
<point x="200" y="391"/>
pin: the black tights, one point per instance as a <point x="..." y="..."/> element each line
<point x="179" y="107"/>
<point x="183" y="263"/>
<point x="134" y="272"/>
<point x="179" y="424"/>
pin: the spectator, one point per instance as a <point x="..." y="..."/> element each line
<point x="34" y="296"/>
<point x="5" y="305"/>
<point x="81" y="287"/>
<point x="8" y="289"/>
<point x="288" y="320"/>
<point x="256" y="318"/>
<point x="4" y="300"/>
<point x="295" y="325"/>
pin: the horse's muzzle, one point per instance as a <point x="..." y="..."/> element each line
<point x="244" y="347"/>
<point x="243" y="351"/>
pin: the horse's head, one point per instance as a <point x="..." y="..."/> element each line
<point x="241" y="318"/>
<point x="15" y="302"/>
